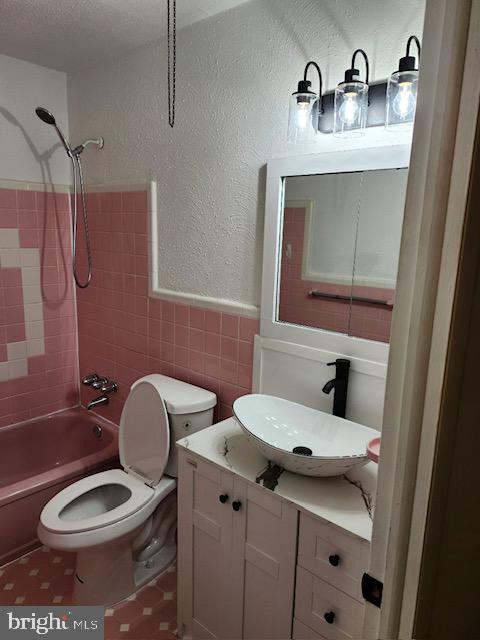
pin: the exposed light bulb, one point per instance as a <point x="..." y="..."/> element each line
<point x="349" y="109"/>
<point x="302" y="115"/>
<point x="404" y="102"/>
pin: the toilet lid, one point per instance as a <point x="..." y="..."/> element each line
<point x="144" y="439"/>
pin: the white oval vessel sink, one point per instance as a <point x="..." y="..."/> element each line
<point x="300" y="439"/>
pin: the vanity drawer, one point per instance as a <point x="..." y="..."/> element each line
<point x="332" y="555"/>
<point x="315" y="600"/>
<point x="302" y="632"/>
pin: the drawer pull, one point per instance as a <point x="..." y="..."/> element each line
<point x="329" y="617"/>
<point x="236" y="504"/>
<point x="334" y="560"/>
<point x="223" y="498"/>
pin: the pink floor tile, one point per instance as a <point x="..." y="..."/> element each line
<point x="45" y="577"/>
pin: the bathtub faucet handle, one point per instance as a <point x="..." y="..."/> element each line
<point x="90" y="379"/>
<point x="109" y="387"/>
<point x="99" y="383"/>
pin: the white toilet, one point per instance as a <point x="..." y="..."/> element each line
<point x="122" y="522"/>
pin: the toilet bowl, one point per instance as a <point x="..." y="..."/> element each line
<point x="122" y="522"/>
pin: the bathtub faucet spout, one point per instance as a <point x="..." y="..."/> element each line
<point x="97" y="402"/>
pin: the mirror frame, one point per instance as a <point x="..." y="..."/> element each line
<point x="362" y="159"/>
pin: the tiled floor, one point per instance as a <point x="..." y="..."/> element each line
<point x="46" y="577"/>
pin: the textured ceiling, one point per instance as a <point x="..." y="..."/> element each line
<point x="70" y="35"/>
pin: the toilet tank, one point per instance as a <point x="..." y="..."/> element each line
<point x="189" y="409"/>
<point x="181" y="426"/>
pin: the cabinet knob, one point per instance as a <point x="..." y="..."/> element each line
<point x="223" y="498"/>
<point x="329" y="617"/>
<point x="236" y="504"/>
<point x="334" y="560"/>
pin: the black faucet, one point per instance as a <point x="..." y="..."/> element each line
<point x="340" y="386"/>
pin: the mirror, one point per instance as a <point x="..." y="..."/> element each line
<point x="339" y="251"/>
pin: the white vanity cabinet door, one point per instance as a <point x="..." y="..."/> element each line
<point x="265" y="541"/>
<point x="208" y="593"/>
<point x="236" y="559"/>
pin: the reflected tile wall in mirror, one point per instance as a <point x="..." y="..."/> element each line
<point x="340" y="247"/>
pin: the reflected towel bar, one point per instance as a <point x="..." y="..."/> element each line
<point x="336" y="296"/>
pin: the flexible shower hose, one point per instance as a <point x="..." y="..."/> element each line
<point x="77" y="164"/>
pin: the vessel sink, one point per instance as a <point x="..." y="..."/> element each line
<point x="301" y="439"/>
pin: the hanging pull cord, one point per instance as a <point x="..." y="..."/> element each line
<point x="77" y="163"/>
<point x="172" y="58"/>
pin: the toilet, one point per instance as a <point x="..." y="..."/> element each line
<point x="122" y="522"/>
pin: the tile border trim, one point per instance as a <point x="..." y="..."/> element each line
<point x="28" y="185"/>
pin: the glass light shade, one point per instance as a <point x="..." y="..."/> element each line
<point x="351" y="108"/>
<point x="303" y="118"/>
<point x="401" y="100"/>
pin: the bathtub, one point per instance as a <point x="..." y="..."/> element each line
<point x="39" y="458"/>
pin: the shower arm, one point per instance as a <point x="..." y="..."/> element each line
<point x="99" y="142"/>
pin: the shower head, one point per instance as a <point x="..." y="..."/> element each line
<point x="46" y="116"/>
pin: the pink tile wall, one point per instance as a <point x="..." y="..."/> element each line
<point x="296" y="306"/>
<point x="43" y="223"/>
<point x="124" y="334"/>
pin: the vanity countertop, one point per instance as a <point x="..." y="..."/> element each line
<point x="345" y="501"/>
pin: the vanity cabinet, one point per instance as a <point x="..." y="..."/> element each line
<point x="253" y="565"/>
<point x="236" y="556"/>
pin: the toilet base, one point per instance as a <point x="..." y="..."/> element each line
<point x="157" y="564"/>
<point x="104" y="574"/>
<point x="107" y="574"/>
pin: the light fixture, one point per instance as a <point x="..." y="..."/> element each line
<point x="402" y="91"/>
<point x="305" y="109"/>
<point x="351" y="101"/>
<point x="355" y="105"/>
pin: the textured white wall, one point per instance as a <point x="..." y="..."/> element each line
<point x="29" y="148"/>
<point x="235" y="74"/>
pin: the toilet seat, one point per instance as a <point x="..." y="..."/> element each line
<point x="140" y="494"/>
